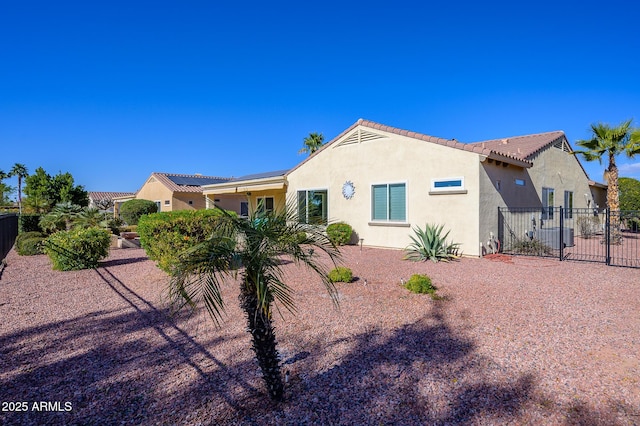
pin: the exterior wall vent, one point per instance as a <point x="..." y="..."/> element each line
<point x="360" y="136"/>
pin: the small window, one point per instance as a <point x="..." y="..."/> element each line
<point x="498" y="185"/>
<point x="190" y="202"/>
<point x="244" y="208"/>
<point x="547" y="203"/>
<point x="447" y="184"/>
<point x="520" y="182"/>
<point x="167" y="202"/>
<point x="568" y="204"/>
<point x="264" y="204"/>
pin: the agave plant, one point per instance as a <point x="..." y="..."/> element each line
<point x="431" y="244"/>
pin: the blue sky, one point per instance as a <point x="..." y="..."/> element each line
<point x="112" y="91"/>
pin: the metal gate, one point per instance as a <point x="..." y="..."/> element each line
<point x="594" y="235"/>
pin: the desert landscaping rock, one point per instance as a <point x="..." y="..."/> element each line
<point x="514" y="341"/>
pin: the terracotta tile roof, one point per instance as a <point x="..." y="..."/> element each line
<point x="99" y="195"/>
<point x="521" y="147"/>
<point x="195" y="181"/>
<point x="478" y="148"/>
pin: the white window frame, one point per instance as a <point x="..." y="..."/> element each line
<point x="264" y="200"/>
<point x="449" y="189"/>
<point x="547" y="210"/>
<point x="306" y="191"/>
<point x="406" y="204"/>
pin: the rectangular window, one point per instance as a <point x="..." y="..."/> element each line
<point x="389" y="202"/>
<point x="520" y="182"/>
<point x="447" y="184"/>
<point x="167" y="202"/>
<point x="312" y="207"/>
<point x="264" y="204"/>
<point x="547" y="203"/>
<point x="568" y="204"/>
<point x="244" y="208"/>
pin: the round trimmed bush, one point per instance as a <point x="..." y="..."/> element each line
<point x="340" y="274"/>
<point x="78" y="248"/>
<point x="132" y="210"/>
<point x="421" y="284"/>
<point x="165" y="235"/>
<point x="339" y="233"/>
<point x="30" y="243"/>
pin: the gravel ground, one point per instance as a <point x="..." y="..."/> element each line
<point x="514" y="341"/>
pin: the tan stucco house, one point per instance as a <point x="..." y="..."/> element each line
<point x="104" y="200"/>
<point x="383" y="181"/>
<point x="171" y="191"/>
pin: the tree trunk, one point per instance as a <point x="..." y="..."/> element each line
<point x="613" y="201"/>
<point x="264" y="343"/>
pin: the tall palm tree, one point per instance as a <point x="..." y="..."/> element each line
<point x="312" y="143"/>
<point x="610" y="142"/>
<point x="256" y="246"/>
<point x="21" y="171"/>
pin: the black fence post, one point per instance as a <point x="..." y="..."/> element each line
<point x="607" y="235"/>
<point x="561" y="233"/>
<point x="501" y="230"/>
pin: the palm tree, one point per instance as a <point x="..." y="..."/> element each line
<point x="611" y="141"/>
<point x="312" y="143"/>
<point x="19" y="170"/>
<point x="257" y="245"/>
<point x="63" y="214"/>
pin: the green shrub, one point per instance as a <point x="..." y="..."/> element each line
<point x="339" y="233"/>
<point x="341" y="274"/>
<point x="29" y="223"/>
<point x="167" y="234"/>
<point x="421" y="284"/>
<point x="132" y="210"/>
<point x="588" y="226"/>
<point x="533" y="247"/>
<point x="78" y="248"/>
<point x="115" y="224"/>
<point x="431" y="244"/>
<point x="30" y="243"/>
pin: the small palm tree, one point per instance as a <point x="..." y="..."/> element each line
<point x="19" y="170"/>
<point x="312" y="143"/>
<point x="91" y="217"/>
<point x="63" y="214"/>
<point x="256" y="246"/>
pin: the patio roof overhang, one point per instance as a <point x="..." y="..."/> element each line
<point x="498" y="157"/>
<point x="243" y="186"/>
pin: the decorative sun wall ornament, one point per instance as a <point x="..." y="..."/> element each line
<point x="348" y="190"/>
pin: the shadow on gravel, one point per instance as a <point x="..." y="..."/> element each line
<point x="107" y="356"/>
<point x="127" y="261"/>
<point x="424" y="373"/>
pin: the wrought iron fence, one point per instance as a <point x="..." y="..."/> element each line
<point x="8" y="233"/>
<point x="595" y="235"/>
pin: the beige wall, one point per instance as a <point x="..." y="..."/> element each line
<point x="395" y="159"/>
<point x="154" y="191"/>
<point x="552" y="168"/>
<point x="232" y="201"/>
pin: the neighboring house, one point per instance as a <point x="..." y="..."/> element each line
<point x="383" y="181"/>
<point x="171" y="191"/>
<point x="104" y="200"/>
<point x="250" y="192"/>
